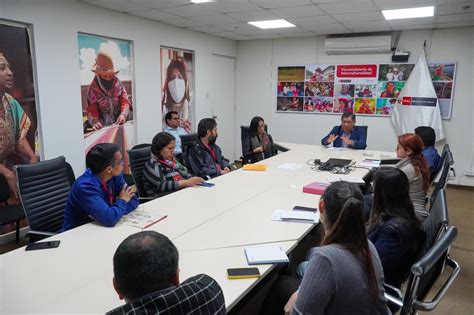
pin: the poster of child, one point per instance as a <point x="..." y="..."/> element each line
<point x="395" y="72"/>
<point x="294" y="104"/>
<point x="365" y="90"/>
<point x="290" y="88"/>
<point x="385" y="105"/>
<point x="442" y="71"/>
<point x="320" y="73"/>
<point x="343" y="105"/>
<point x="390" y="89"/>
<point x="319" y="89"/>
<point x="365" y="106"/>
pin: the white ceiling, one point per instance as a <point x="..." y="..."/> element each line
<point x="228" y="18"/>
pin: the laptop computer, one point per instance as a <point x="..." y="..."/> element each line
<point x="333" y="162"/>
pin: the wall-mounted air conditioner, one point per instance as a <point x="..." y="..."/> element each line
<point x="378" y="44"/>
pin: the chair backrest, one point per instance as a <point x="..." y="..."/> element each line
<point x="245" y="142"/>
<point x="188" y="141"/>
<point x="437" y="220"/>
<point x="426" y="271"/>
<point x="441" y="181"/>
<point x="44" y="189"/>
<point x="141" y="145"/>
<point x="138" y="157"/>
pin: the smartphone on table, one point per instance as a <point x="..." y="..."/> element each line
<point x="242" y="273"/>
<point x="42" y="245"/>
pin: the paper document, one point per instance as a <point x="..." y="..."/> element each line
<point x="332" y="178"/>
<point x="141" y="219"/>
<point x="265" y="255"/>
<point x="296" y="216"/>
<point x="369" y="163"/>
<point x="290" y="166"/>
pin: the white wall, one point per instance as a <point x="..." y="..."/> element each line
<point x="257" y="63"/>
<point x="55" y="27"/>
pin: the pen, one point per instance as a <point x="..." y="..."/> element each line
<point x="160" y="219"/>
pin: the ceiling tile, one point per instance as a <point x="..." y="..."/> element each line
<point x="417" y="21"/>
<point x="260" y="15"/>
<point x="118" y="5"/>
<point x="413" y="27"/>
<point x="189" y="10"/>
<point x="154" y="14"/>
<point x="236" y="27"/>
<point x="348" y="7"/>
<point x="456" y="8"/>
<point x="158" y="4"/>
<point x="455" y="24"/>
<point x="183" y="22"/>
<point x="316" y="20"/>
<point x="273" y="4"/>
<point x="232" y="36"/>
<point x="205" y="29"/>
<point x="402" y="4"/>
<point x="370" y="26"/>
<point x="359" y="17"/>
<point x="230" y="6"/>
<point x="327" y="27"/>
<point x="450" y="1"/>
<point x="455" y="17"/>
<point x="306" y="10"/>
<point x="215" y="19"/>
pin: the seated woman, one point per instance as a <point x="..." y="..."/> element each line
<point x="261" y="143"/>
<point x="415" y="167"/>
<point x="344" y="275"/>
<point x="163" y="174"/>
<point x="393" y="226"/>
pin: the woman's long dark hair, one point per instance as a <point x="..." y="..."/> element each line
<point x="392" y="200"/>
<point x="344" y="205"/>
<point x="253" y="129"/>
<point x="415" y="144"/>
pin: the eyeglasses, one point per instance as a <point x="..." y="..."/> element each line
<point x="175" y="118"/>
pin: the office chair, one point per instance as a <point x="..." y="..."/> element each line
<point x="10" y="213"/>
<point x="138" y="156"/>
<point x="44" y="189"/>
<point x="424" y="274"/>
<point x="187" y="141"/>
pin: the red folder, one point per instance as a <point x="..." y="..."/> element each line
<point x="316" y="188"/>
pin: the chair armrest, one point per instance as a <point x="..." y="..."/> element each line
<point x="278" y="147"/>
<point x="41" y="233"/>
<point x="394" y="297"/>
<point x="429" y="306"/>
<point x="145" y="199"/>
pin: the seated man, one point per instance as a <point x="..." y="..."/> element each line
<point x="428" y="135"/>
<point x="101" y="192"/>
<point x="146" y="275"/>
<point x="173" y="128"/>
<point x="347" y="135"/>
<point x="206" y="157"/>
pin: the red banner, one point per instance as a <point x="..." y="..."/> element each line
<point x="356" y="71"/>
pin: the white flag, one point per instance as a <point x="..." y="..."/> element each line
<point x="417" y="104"/>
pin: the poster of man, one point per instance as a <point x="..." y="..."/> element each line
<point x="177" y="79"/>
<point x="19" y="140"/>
<point x="106" y="92"/>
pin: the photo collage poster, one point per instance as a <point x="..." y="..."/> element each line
<point x="18" y="109"/>
<point x="364" y="89"/>
<point x="177" y="80"/>
<point x="107" y="92"/>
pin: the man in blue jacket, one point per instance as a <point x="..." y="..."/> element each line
<point x="100" y="193"/>
<point x="428" y="135"/>
<point x="347" y="135"/>
<point x="206" y="157"/>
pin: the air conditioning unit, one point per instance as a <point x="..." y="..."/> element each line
<point x="379" y="44"/>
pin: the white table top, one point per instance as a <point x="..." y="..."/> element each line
<point x="209" y="226"/>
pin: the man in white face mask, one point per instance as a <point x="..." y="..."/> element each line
<point x="206" y="157"/>
<point x="176" y="91"/>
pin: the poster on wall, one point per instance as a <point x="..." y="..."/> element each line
<point x="107" y="92"/>
<point x="177" y="90"/>
<point x="364" y="89"/>
<point x="19" y="132"/>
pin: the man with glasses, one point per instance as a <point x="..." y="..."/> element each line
<point x="347" y="135"/>
<point x="100" y="193"/>
<point x="173" y="128"/>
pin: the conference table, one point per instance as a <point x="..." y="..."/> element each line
<point x="210" y="226"/>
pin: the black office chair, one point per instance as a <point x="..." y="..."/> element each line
<point x="188" y="141"/>
<point x="138" y="156"/>
<point x="424" y="273"/>
<point x="9" y="213"/>
<point x="440" y="182"/>
<point x="44" y="189"/>
<point x="437" y="221"/>
<point x="247" y="155"/>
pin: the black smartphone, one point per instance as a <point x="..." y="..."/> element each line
<point x="301" y="208"/>
<point x="242" y="273"/>
<point x="42" y="245"/>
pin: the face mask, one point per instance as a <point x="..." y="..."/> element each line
<point x="176" y="88"/>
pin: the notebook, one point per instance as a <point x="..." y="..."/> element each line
<point x="316" y="188"/>
<point x="265" y="255"/>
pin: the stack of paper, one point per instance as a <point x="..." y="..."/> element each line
<point x="265" y="255"/>
<point x="296" y="216"/>
<point x="369" y="163"/>
<point x="141" y="219"/>
<point x="290" y="166"/>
